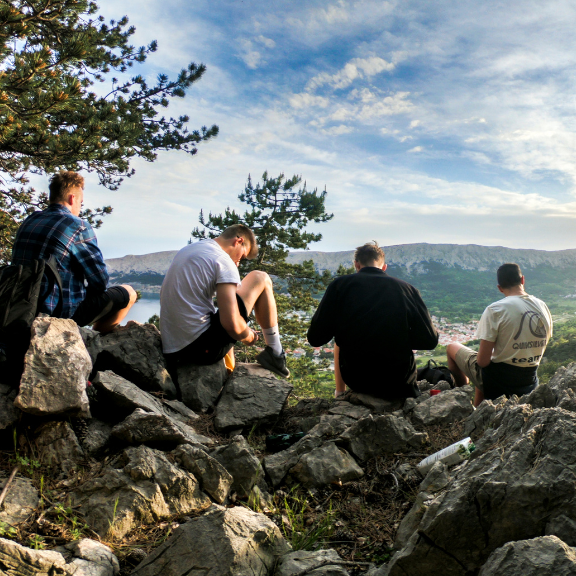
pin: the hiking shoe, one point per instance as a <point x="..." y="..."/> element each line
<point x="277" y="364"/>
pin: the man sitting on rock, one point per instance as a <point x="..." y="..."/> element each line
<point x="59" y="231"/>
<point x="377" y="321"/>
<point x="513" y="334"/>
<point x="193" y="331"/>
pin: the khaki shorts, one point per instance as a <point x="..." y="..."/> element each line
<point x="466" y="361"/>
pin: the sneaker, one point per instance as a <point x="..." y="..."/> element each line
<point x="277" y="364"/>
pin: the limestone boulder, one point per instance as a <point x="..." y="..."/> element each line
<point x="223" y="542"/>
<point x="134" y="352"/>
<point x="214" y="479"/>
<point x="252" y="395"/>
<point x="520" y="483"/>
<point x="239" y="460"/>
<point x="84" y="558"/>
<point x="201" y="385"/>
<point x="140" y="487"/>
<point x="97" y="437"/>
<point x="535" y="557"/>
<point x="21" y="500"/>
<point x="57" y="446"/>
<point x="375" y="405"/>
<point x="56" y="369"/>
<point x="356" y="412"/>
<point x="385" y="434"/>
<point x="444" y="408"/>
<point x="326" y="465"/>
<point x="91" y="339"/>
<point x="157" y="429"/>
<point x="316" y="563"/>
<point x="9" y="414"/>
<point x="277" y="465"/>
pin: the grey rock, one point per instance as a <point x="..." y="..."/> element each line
<point x="240" y="461"/>
<point x="56" y="369"/>
<point x="518" y="485"/>
<point x="252" y="395"/>
<point x="544" y="555"/>
<point x="140" y="487"/>
<point x="407" y="473"/>
<point x="201" y="385"/>
<point x="21" y="500"/>
<point x="442" y="385"/>
<point x="9" y="414"/>
<point x="95" y="553"/>
<point x="97" y="437"/>
<point x="437" y="479"/>
<point x="563" y="527"/>
<point x="312" y="407"/>
<point x="325" y="465"/>
<point x="143" y="427"/>
<point x="222" y="542"/>
<point x="180" y="410"/>
<point x="57" y="445"/>
<point x="297" y="562"/>
<point x="386" y="434"/>
<point x="17" y="560"/>
<point x="563" y="379"/>
<point x="214" y="479"/>
<point x="277" y="465"/>
<point x="118" y="397"/>
<point x="375" y="405"/>
<point x="312" y="424"/>
<point x="91" y="339"/>
<point x="567" y="400"/>
<point x="134" y="352"/>
<point x="543" y="396"/>
<point x="350" y="410"/>
<point x="444" y="408"/>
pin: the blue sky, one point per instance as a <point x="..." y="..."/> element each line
<point x="440" y="122"/>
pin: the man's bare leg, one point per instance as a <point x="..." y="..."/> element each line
<point x="340" y="384"/>
<point x="107" y="324"/>
<point x="459" y="377"/>
<point x="257" y="294"/>
<point x="478" y="396"/>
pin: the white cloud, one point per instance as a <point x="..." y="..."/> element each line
<point x="338" y="130"/>
<point x="268" y="42"/>
<point x="416" y="149"/>
<point x="306" y="100"/>
<point x="357" y="68"/>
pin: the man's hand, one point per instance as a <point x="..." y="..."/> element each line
<point x="252" y="338"/>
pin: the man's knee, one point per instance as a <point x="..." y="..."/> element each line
<point x="452" y="350"/>
<point x="260" y="278"/>
<point x="131" y="292"/>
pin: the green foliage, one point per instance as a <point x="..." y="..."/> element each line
<point x="66" y="518"/>
<point x="310" y="379"/>
<point x="279" y="213"/>
<point x="52" y="53"/>
<point x="154" y="319"/>
<point x="300" y="535"/>
<point x="36" y="542"/>
<point x="561" y="350"/>
<point x="7" y="531"/>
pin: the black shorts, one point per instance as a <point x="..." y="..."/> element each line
<point x="211" y="346"/>
<point x="97" y="306"/>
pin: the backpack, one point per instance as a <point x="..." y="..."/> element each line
<point x="433" y="373"/>
<point x="20" y="286"/>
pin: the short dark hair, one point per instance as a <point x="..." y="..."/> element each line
<point x="368" y="254"/>
<point x="241" y="231"/>
<point x="61" y="182"/>
<point x="509" y="275"/>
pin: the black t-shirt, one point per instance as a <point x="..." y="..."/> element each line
<point x="377" y="321"/>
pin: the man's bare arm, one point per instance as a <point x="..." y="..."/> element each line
<point x="485" y="353"/>
<point x="230" y="317"/>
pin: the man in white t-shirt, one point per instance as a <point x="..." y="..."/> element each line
<point x="513" y="334"/>
<point x="193" y="330"/>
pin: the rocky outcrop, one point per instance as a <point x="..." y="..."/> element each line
<point x="56" y="369"/>
<point x="318" y="563"/>
<point x="21" y="501"/>
<point x="252" y="395"/>
<point x="201" y="385"/>
<point x="58" y="446"/>
<point x="222" y="542"/>
<point x="443" y="408"/>
<point x="134" y="352"/>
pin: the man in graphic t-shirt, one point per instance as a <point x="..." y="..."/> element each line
<point x="513" y="334"/>
<point x="193" y="331"/>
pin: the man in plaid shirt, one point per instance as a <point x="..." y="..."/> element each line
<point x="59" y="231"/>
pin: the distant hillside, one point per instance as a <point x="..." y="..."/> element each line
<point x="456" y="281"/>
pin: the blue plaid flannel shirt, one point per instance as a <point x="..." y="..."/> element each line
<point x="56" y="231"/>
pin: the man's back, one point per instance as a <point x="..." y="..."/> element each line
<point x="57" y="232"/>
<point x="377" y="321"/>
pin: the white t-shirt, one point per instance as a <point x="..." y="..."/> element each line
<point x="520" y="326"/>
<point x="186" y="298"/>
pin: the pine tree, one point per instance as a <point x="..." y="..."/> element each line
<point x="279" y="213"/>
<point x="53" y="54"/>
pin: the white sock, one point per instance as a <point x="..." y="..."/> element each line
<point x="272" y="339"/>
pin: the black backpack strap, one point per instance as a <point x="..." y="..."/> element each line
<point x="51" y="270"/>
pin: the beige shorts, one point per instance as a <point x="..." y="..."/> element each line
<point x="466" y="361"/>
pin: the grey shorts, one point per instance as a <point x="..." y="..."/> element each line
<point x="466" y="361"/>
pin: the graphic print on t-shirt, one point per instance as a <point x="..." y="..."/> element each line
<point x="535" y="324"/>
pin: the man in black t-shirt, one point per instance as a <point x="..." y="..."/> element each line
<point x="377" y="321"/>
